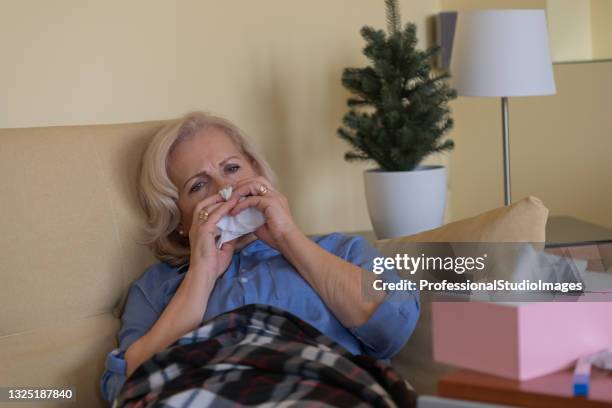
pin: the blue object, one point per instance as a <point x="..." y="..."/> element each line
<point x="581" y="385"/>
<point x="582" y="374"/>
<point x="260" y="274"/>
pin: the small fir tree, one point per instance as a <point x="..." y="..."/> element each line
<point x="399" y="110"/>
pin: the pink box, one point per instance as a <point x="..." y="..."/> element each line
<point x="519" y="341"/>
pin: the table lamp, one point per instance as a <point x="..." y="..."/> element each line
<point x="502" y="53"/>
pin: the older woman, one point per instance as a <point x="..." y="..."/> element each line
<point x="319" y="280"/>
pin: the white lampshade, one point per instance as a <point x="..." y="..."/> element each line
<point x="502" y="53"/>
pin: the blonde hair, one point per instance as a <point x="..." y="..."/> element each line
<point x="157" y="194"/>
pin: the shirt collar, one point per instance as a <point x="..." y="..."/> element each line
<point x="254" y="246"/>
<point x="183" y="268"/>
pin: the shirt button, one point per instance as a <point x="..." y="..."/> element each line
<point x="244" y="280"/>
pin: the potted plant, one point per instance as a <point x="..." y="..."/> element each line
<point x="398" y="116"/>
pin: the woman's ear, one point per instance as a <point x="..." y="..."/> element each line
<point x="180" y="236"/>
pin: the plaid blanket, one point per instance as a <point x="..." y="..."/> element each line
<point x="262" y="355"/>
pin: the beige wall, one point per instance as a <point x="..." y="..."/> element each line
<point x="601" y="14"/>
<point x="89" y="61"/>
<point x="272" y="66"/>
<point x="560" y="147"/>
<point x="466" y="5"/>
<point x="569" y="25"/>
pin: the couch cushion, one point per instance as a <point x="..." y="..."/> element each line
<point x="70" y="219"/>
<point x="70" y="354"/>
<point x="522" y="221"/>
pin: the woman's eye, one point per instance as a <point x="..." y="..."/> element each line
<point x="196" y="187"/>
<point x="233" y="169"/>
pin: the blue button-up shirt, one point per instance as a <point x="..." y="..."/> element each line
<point x="260" y="274"/>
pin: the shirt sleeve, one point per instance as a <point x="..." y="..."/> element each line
<point x="395" y="318"/>
<point x="138" y="317"/>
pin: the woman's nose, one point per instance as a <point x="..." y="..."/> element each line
<point x="217" y="182"/>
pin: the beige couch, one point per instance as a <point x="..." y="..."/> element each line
<point x="70" y="220"/>
<point x="70" y="223"/>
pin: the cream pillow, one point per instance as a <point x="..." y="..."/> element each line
<point x="523" y="221"/>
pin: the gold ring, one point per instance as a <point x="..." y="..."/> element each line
<point x="263" y="189"/>
<point x="203" y="216"/>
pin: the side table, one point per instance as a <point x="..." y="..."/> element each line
<point x="553" y="390"/>
<point x="561" y="229"/>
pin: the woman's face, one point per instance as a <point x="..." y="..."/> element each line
<point x="200" y="166"/>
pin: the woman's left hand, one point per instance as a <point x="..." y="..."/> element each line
<point x="273" y="205"/>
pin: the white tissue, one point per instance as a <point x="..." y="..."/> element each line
<point x="538" y="265"/>
<point x="603" y="360"/>
<point x="231" y="227"/>
<point x="226" y="192"/>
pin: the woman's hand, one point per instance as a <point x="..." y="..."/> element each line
<point x="204" y="252"/>
<point x="273" y="205"/>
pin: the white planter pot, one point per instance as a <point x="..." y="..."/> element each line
<point x="405" y="202"/>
